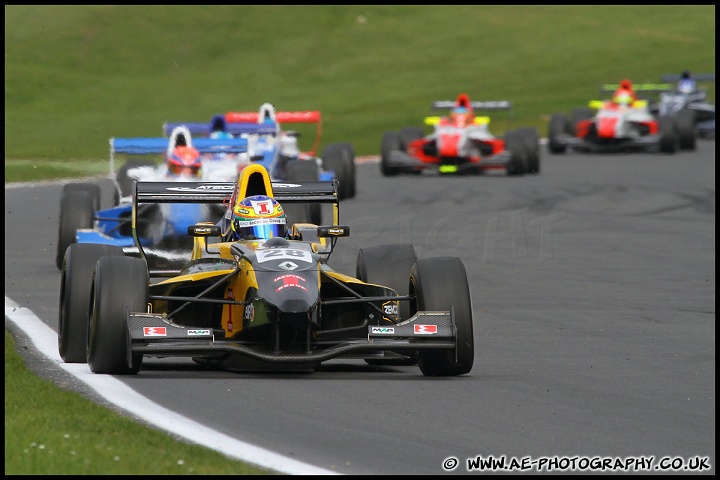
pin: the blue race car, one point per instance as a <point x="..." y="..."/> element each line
<point x="162" y="228"/>
<point x="278" y="150"/>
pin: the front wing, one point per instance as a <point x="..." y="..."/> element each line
<point x="617" y="144"/>
<point x="154" y="335"/>
<point x="405" y="161"/>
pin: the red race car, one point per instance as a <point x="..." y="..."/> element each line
<point x="460" y="143"/>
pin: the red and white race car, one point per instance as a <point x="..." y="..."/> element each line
<point x="460" y="143"/>
<point x="606" y="126"/>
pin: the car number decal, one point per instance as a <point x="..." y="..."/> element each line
<point x="283" y="254"/>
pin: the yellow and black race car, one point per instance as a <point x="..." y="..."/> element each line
<point x="253" y="304"/>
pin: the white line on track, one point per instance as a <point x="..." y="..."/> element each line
<point x="118" y="393"/>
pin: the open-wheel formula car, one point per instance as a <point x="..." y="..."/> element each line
<point x="460" y="143"/>
<point x="605" y="126"/>
<point x="689" y="105"/>
<point x="160" y="227"/>
<point x="278" y="150"/>
<point x="263" y="304"/>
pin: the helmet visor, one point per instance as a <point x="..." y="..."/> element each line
<point x="263" y="228"/>
<point x="190" y="170"/>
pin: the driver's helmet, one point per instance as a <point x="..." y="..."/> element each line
<point x="219" y="128"/>
<point x="686" y="84"/>
<point x="258" y="217"/>
<point x="460" y="114"/>
<point x="623" y="97"/>
<point x="185" y="161"/>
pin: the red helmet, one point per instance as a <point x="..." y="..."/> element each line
<point x="184" y="160"/>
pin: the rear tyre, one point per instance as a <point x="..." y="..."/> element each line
<point x="91" y="189"/>
<point x="75" y="287"/>
<point x="440" y="284"/>
<point x="120" y="285"/>
<point x="124" y="181"/>
<point x="306" y="171"/>
<point x="408" y="134"/>
<point x="77" y="210"/>
<point x="559" y="124"/>
<point x="579" y="115"/>
<point x="340" y="157"/>
<point x="390" y="142"/>
<point x="388" y="265"/>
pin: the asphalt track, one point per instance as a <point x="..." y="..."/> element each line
<point x="593" y="288"/>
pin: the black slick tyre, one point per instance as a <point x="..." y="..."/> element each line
<point x="340" y="157"/>
<point x="439" y="284"/>
<point x="306" y="171"/>
<point x="77" y="210"/>
<point x="120" y="285"/>
<point x="390" y="142"/>
<point x="75" y="287"/>
<point x="124" y="181"/>
<point x="529" y="137"/>
<point x="559" y="124"/>
<point x="518" y="163"/>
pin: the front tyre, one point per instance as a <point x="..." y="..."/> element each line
<point x="518" y="163"/>
<point x="390" y="142"/>
<point x="120" y="285"/>
<point x="529" y="137"/>
<point x="75" y="287"/>
<point x="685" y="128"/>
<point x="440" y="284"/>
<point x="669" y="142"/>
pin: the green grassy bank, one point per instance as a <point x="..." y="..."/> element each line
<point x="77" y="75"/>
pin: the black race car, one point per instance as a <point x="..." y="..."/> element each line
<point x="257" y="305"/>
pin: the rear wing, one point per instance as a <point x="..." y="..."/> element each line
<point x="642" y="90"/>
<point x="221" y="193"/>
<point x="235" y="128"/>
<point x="307" y="116"/>
<point x="154" y="146"/>
<point x="700" y="77"/>
<point x="476" y="105"/>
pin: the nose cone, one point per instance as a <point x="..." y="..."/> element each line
<point x="290" y="292"/>
<point x="606" y="127"/>
<point x="449" y="145"/>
